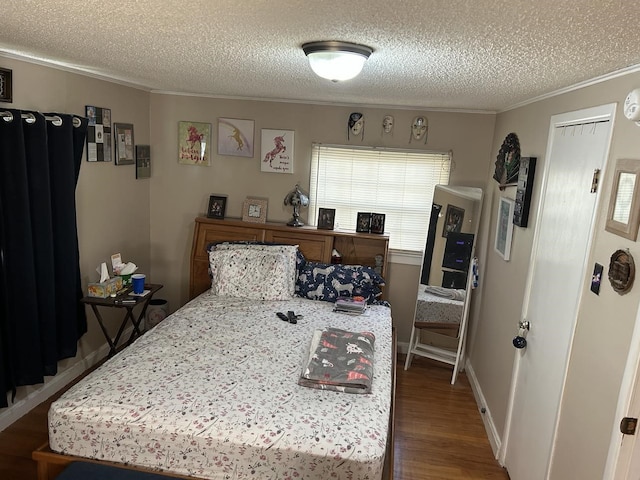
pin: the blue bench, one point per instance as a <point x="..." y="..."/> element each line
<point x="98" y="471"/>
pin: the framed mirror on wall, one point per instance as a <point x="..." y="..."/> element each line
<point x="444" y="292"/>
<point x="623" y="217"/>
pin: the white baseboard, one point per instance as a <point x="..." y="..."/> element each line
<point x="39" y="393"/>
<point x="492" y="433"/>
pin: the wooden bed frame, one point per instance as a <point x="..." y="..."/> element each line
<point x="51" y="464"/>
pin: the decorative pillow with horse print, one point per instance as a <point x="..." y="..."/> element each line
<point x="327" y="282"/>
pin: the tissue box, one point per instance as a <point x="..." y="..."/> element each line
<point x="105" y="289"/>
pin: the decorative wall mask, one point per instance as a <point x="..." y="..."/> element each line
<point x="508" y="161"/>
<point x="356" y="125"/>
<point x="632" y="106"/>
<point x="419" y="129"/>
<point x="387" y="124"/>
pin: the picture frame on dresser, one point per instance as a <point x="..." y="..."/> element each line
<point x="254" y="210"/>
<point x="377" y="223"/>
<point x="363" y="222"/>
<point x="217" y="206"/>
<point x="326" y="218"/>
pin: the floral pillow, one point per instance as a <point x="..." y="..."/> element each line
<point x="327" y="282"/>
<point x="294" y="257"/>
<point x="251" y="274"/>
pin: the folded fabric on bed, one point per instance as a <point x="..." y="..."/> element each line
<point x="339" y="360"/>
<point x="450" y="293"/>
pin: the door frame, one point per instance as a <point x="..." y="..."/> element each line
<point x="621" y="447"/>
<point x="601" y="112"/>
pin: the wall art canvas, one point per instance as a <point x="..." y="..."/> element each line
<point x="453" y="220"/>
<point x="125" y="146"/>
<point x="194" y="143"/>
<point x="504" y="227"/>
<point x="98" y="134"/>
<point x="143" y="161"/>
<point x="235" y="137"/>
<point x="6" y="85"/>
<point x="277" y="151"/>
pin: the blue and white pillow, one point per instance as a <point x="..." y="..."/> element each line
<point x="327" y="282"/>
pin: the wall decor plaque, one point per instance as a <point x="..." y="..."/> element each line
<point x="6" y="85"/>
<point x="98" y="134"/>
<point x="622" y="271"/>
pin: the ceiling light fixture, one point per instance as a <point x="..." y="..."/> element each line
<point x="336" y="61"/>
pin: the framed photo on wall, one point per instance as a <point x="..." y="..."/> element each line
<point x="504" y="227"/>
<point x="217" y="206"/>
<point x="98" y="134"/>
<point x="326" y="218"/>
<point x="143" y="161"/>
<point x="6" y="85"/>
<point x="363" y="223"/>
<point x="123" y="139"/>
<point x="254" y="210"/>
<point x="453" y="220"/>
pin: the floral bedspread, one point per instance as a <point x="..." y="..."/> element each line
<point x="212" y="392"/>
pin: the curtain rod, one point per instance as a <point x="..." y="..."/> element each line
<point x="31" y="118"/>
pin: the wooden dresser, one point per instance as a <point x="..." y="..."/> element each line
<point x="316" y="245"/>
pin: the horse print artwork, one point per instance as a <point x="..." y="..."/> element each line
<point x="194" y="143"/>
<point x="277" y="151"/>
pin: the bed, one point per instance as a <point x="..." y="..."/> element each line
<point x="438" y="310"/>
<point x="212" y="392"/>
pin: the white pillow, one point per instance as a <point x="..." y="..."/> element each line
<point x="251" y="274"/>
<point x="290" y="251"/>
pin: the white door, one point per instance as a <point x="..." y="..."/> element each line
<point x="578" y="144"/>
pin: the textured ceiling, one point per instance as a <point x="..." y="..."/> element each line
<point x="450" y="54"/>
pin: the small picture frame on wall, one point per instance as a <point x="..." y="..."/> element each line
<point x="98" y="134"/>
<point x="453" y="220"/>
<point x="623" y="217"/>
<point x="363" y="223"/>
<point x="123" y="139"/>
<point x="504" y="227"/>
<point x="377" y="222"/>
<point x="254" y="210"/>
<point x="6" y="85"/>
<point x="143" y="161"/>
<point x="217" y="206"/>
<point x="326" y="218"/>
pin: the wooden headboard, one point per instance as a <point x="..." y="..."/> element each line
<point x="316" y="245"/>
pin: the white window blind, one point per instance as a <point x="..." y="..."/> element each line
<point x="398" y="183"/>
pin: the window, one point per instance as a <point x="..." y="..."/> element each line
<point x="398" y="183"/>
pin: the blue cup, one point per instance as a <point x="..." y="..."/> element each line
<point x="138" y="282"/>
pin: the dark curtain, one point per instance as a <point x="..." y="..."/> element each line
<point x="41" y="318"/>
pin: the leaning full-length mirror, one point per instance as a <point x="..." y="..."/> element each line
<point x="444" y="289"/>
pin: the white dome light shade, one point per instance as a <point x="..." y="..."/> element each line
<point x="336" y="61"/>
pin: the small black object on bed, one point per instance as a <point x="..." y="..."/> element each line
<point x="290" y="317"/>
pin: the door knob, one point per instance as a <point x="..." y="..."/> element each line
<point x="520" y="341"/>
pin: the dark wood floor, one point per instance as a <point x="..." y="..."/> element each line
<point x="439" y="434"/>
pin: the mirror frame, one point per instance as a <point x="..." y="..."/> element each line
<point x="627" y="230"/>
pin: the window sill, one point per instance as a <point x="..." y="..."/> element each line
<point x="406" y="257"/>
